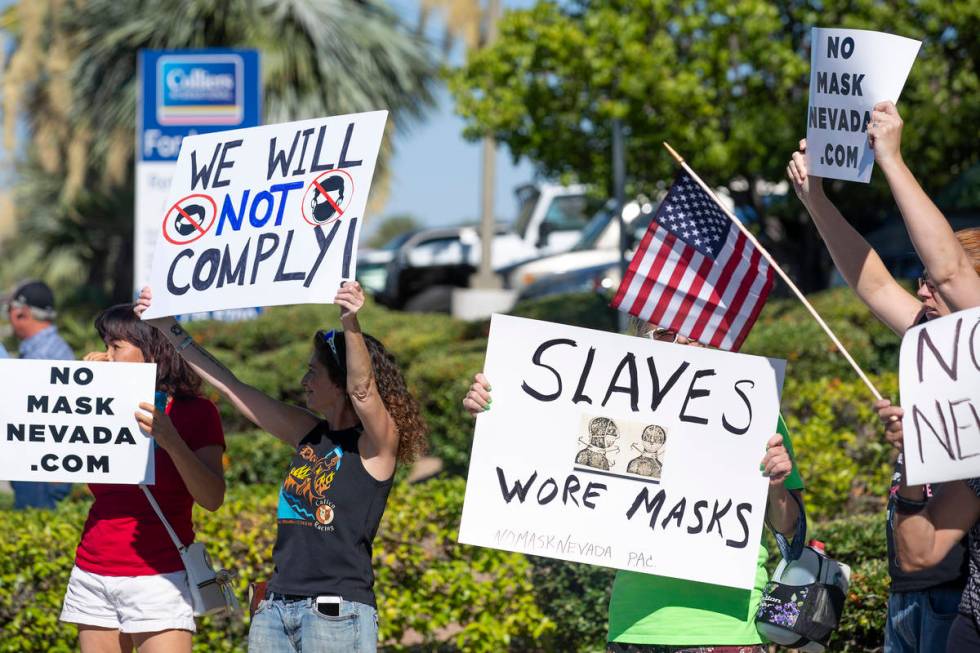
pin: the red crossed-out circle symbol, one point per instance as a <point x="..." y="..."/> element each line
<point x="189" y="218"/>
<point x="327" y="197"/>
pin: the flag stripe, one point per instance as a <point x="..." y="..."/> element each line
<point x="651" y="280"/>
<point x="631" y="269"/>
<point x="643" y="261"/>
<point x="734" y="310"/>
<point x="673" y="284"/>
<point x="724" y="276"/>
<point x="756" y="309"/>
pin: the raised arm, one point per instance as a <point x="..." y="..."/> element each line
<point x="200" y="469"/>
<point x="287" y="422"/>
<point x="379" y="449"/>
<point x="949" y="267"/>
<point x="857" y="262"/>
<point x="782" y="511"/>
<point x="927" y="530"/>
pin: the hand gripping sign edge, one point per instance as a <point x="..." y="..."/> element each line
<point x="176" y="213"/>
<point x="317" y="187"/>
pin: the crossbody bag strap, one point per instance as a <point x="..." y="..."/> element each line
<point x="166" y="524"/>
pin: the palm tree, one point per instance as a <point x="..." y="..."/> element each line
<point x="73" y="79"/>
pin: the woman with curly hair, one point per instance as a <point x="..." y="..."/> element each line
<point x="128" y="587"/>
<point x="321" y="596"/>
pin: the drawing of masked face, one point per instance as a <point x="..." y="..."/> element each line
<point x="603" y="434"/>
<point x="323" y="209"/>
<point x="193" y="221"/>
<point x="653" y="439"/>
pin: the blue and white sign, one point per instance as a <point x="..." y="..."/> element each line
<point x="200" y="90"/>
<point x="183" y="93"/>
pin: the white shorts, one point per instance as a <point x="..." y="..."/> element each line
<point x="130" y="604"/>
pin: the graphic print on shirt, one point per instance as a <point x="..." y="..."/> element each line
<point x="303" y="497"/>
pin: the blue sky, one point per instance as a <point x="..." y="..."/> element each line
<point x="436" y="173"/>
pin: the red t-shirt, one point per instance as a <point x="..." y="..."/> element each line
<point x="123" y="536"/>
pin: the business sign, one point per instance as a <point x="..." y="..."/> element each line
<point x="622" y="452"/>
<point x="939" y="380"/>
<point x="851" y="70"/>
<point x="265" y="216"/>
<point x="74" y="421"/>
<point x="182" y="93"/>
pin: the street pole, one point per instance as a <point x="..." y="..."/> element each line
<point x="485" y="278"/>
<point x="619" y="191"/>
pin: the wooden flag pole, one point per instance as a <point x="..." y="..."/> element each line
<point x="779" y="270"/>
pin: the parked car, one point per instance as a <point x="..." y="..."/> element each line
<point x="372" y="263"/>
<point x="429" y="264"/>
<point x="597" y="245"/>
<point x="600" y="277"/>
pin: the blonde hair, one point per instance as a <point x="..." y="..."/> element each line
<point x="970" y="240"/>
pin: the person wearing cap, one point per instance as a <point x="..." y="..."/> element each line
<point x="30" y="309"/>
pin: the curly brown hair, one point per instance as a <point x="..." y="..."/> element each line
<point x="401" y="405"/>
<point x="174" y="376"/>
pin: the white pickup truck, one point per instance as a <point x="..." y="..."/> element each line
<point x="429" y="264"/>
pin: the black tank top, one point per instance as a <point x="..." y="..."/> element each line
<point x="329" y="511"/>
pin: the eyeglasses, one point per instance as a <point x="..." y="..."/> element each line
<point x="328" y="338"/>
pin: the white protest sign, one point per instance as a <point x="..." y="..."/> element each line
<point x="265" y="216"/>
<point x="851" y="70"/>
<point x="74" y="421"/>
<point x="939" y="380"/>
<point x="622" y="452"/>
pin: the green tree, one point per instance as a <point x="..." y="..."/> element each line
<point x="392" y="226"/>
<point x="725" y="82"/>
<point x="72" y="78"/>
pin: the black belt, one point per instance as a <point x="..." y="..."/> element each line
<point x="288" y="597"/>
<point x="295" y="597"/>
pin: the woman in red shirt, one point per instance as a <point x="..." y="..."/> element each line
<point x="128" y="587"/>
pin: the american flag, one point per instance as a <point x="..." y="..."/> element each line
<point x="695" y="271"/>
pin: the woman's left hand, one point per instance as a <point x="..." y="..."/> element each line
<point x="891" y="417"/>
<point x="776" y="464"/>
<point x="157" y="425"/>
<point x="350" y="298"/>
<point x="885" y="133"/>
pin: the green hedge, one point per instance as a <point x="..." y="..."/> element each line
<point x="860" y="542"/>
<point x="786" y="330"/>
<point x="433" y="593"/>
<point x="840" y="447"/>
<point x="440" y="380"/>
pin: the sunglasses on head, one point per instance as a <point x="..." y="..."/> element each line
<point x="328" y="337"/>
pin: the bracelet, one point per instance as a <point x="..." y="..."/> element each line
<point x="185" y="343"/>
<point x="908" y="506"/>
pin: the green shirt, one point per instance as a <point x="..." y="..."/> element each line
<point x="647" y="609"/>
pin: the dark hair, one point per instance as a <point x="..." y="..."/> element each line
<point x="174" y="376"/>
<point x="401" y="405"/>
<point x="331" y="183"/>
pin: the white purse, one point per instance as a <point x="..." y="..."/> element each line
<point x="211" y="591"/>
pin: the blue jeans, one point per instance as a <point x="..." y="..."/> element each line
<point x="919" y="622"/>
<point x="280" y="626"/>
